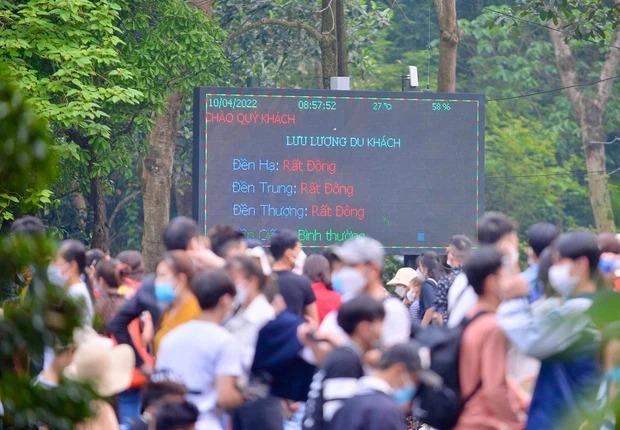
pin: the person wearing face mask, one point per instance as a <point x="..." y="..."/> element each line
<point x="490" y="401"/>
<point x="172" y="289"/>
<point x="559" y="330"/>
<point x="384" y="396"/>
<point x="253" y="311"/>
<point x="66" y="271"/>
<point x="407" y="283"/>
<point x="203" y="355"/>
<point x="296" y="289"/>
<point x="316" y="268"/>
<point x="431" y="268"/>
<point x="361" y="318"/>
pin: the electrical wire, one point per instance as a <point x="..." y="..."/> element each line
<point x="553" y="90"/>
<point x="537" y="175"/>
<point x="548" y="27"/>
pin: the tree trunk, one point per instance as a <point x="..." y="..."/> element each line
<point x="590" y="111"/>
<point x="101" y="231"/>
<point x="182" y="188"/>
<point x="156" y="179"/>
<point x="327" y="43"/>
<point x="341" y="39"/>
<point x="448" y="43"/>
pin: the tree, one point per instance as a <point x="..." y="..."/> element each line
<point x="448" y="44"/>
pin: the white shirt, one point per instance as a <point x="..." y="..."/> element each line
<point x="79" y="291"/>
<point x="246" y="324"/>
<point x="196" y="353"/>
<point x="461" y="298"/>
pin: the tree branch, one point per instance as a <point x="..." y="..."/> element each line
<point x="123" y="202"/>
<point x="298" y="25"/>
<point x="567" y="69"/>
<point x="612" y="60"/>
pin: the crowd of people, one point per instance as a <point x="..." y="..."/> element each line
<point x="228" y="334"/>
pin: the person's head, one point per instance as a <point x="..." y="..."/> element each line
<point x="176" y="416"/>
<point x="483" y="271"/>
<point x="403" y="281"/>
<point x="68" y="264"/>
<point x="248" y="278"/>
<point x="575" y="263"/>
<point x="497" y="229"/>
<point x="364" y="254"/>
<point x="107" y="275"/>
<point x="335" y="263"/>
<point x="362" y="319"/>
<point x="156" y="392"/>
<point x="226" y="241"/>
<point x="458" y="250"/>
<point x="401" y="367"/>
<point x="608" y="243"/>
<point x="540" y="236"/>
<point x="182" y="233"/>
<point x="132" y="264"/>
<point x="430" y="266"/>
<point x="28" y="224"/>
<point x="316" y="268"/>
<point x="285" y="248"/>
<point x="173" y="276"/>
<point x="215" y="292"/>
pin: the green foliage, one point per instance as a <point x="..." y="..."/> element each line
<point x="46" y="316"/>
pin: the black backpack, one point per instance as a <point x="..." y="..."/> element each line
<point x="440" y="407"/>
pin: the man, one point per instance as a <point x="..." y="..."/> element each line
<point x="495" y="229"/>
<point x="361" y="319"/>
<point x="203" y="355"/>
<point x="176" y="416"/>
<point x="226" y="241"/>
<point x="457" y="252"/>
<point x="489" y="402"/>
<point x="155" y="393"/>
<point x="296" y="289"/>
<point x="539" y="237"/>
<point x="364" y="257"/>
<point x="559" y="331"/>
<point x="382" y="397"/>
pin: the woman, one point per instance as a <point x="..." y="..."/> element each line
<point x="432" y="270"/>
<point x="131" y="272"/>
<point x="172" y="289"/>
<point x="317" y="269"/>
<point x="253" y="312"/>
<point x="67" y="271"/>
<point x="107" y="281"/>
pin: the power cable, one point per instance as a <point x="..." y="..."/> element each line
<point x="553" y="90"/>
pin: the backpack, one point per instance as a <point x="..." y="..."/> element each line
<point x="440" y="407"/>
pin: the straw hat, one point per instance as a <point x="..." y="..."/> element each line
<point x="107" y="366"/>
<point x="404" y="276"/>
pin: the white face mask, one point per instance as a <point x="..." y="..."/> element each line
<point x="561" y="280"/>
<point x="348" y="282"/>
<point x="241" y="296"/>
<point x="411" y="295"/>
<point x="400" y="291"/>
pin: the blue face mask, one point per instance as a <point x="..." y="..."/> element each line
<point x="165" y="292"/>
<point x="404" y="395"/>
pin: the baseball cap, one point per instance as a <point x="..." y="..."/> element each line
<point x="361" y="250"/>
<point x="411" y="355"/>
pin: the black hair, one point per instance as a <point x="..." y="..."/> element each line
<point x="358" y="309"/>
<point x="28" y="225"/>
<point x="176" y="416"/>
<point x="133" y="264"/>
<point x="224" y="237"/>
<point x="281" y="242"/>
<point x="493" y="226"/>
<point x="545" y="261"/>
<point x="250" y="268"/>
<point x="209" y="287"/>
<point x="94" y="256"/>
<point x="317" y="269"/>
<point x="154" y="391"/>
<point x="461" y="245"/>
<point x="541" y="235"/>
<point x="481" y="263"/>
<point x="430" y="260"/>
<point x="608" y="242"/>
<point x="73" y="250"/>
<point x="579" y="244"/>
<point x="108" y="270"/>
<point x="179" y="232"/>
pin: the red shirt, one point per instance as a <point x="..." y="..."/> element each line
<point x="326" y="299"/>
